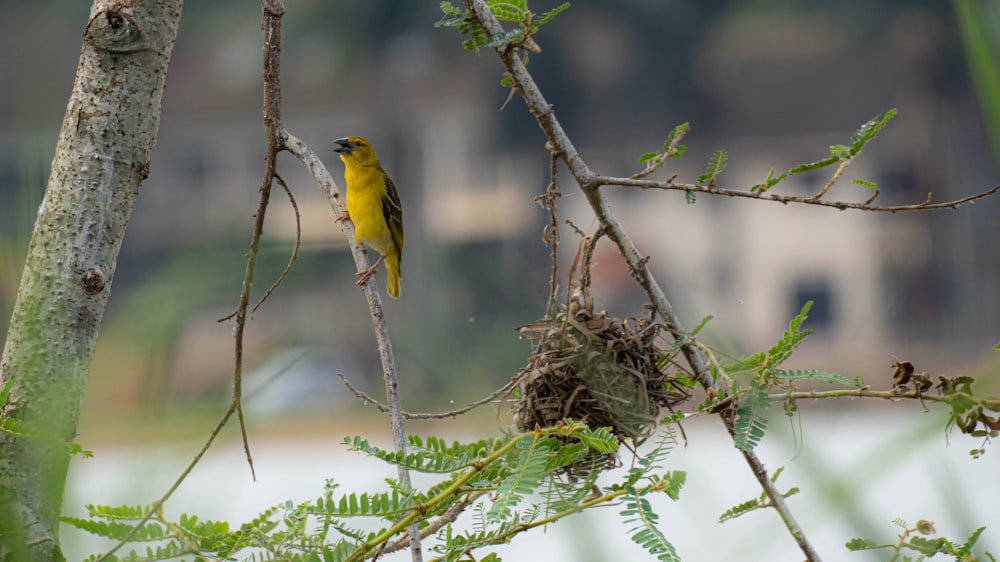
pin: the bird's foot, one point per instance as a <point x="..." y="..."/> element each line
<point x="367" y="274"/>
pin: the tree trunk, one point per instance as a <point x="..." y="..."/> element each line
<point x="101" y="157"/>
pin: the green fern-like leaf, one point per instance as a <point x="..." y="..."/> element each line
<point x="869" y="130"/>
<point x="672" y="147"/>
<point x="151" y="531"/>
<point x="5" y="391"/>
<point x="716" y="164"/>
<point x="749" y="364"/>
<point x="965" y="549"/>
<point x="680" y="341"/>
<point x="434" y="459"/>
<point x="770" y="181"/>
<point x="600" y="440"/>
<point x="510" y="10"/>
<point x="928" y="547"/>
<point x="822" y="163"/>
<point x="645" y="530"/>
<point x="566" y="455"/>
<point x="547" y="16"/>
<point x="857" y="544"/>
<point x="750" y="425"/>
<point x="673" y="481"/>
<point x="126" y="512"/>
<point x="865" y="183"/>
<point x="789" y="340"/>
<point x="203" y="529"/>
<point x="739" y="509"/>
<point x="526" y="476"/>
<point x="562" y="494"/>
<point x="18" y="428"/>
<point x="812" y="375"/>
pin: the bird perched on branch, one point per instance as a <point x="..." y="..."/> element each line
<point x="373" y="205"/>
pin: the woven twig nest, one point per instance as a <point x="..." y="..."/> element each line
<point x="595" y="369"/>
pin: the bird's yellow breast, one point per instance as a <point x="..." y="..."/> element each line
<point x="365" y="192"/>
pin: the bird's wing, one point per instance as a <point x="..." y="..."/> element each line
<point x="393" y="212"/>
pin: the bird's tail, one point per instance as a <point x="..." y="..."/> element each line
<point x="393" y="276"/>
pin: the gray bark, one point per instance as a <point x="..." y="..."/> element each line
<point x="101" y="157"/>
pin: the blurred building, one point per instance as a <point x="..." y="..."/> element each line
<point x="774" y="85"/>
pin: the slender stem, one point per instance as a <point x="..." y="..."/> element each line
<point x="155" y="507"/>
<point x="778" y="502"/>
<point x="669" y="184"/>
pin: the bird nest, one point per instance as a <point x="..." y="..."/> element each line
<point x="595" y="369"/>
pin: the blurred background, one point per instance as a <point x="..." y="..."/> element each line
<point x="773" y="82"/>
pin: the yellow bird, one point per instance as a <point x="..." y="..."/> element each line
<point x="373" y="205"/>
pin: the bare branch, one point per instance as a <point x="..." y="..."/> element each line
<point x="836" y="176"/>
<point x="505" y="389"/>
<point x="551" y="233"/>
<point x="295" y="249"/>
<point x="926" y="205"/>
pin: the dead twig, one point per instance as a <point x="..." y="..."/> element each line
<point x="926" y="205"/>
<point x="505" y="389"/>
<point x="295" y="248"/>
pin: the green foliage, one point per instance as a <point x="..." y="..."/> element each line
<point x="493" y="479"/>
<point x="716" y="164"/>
<point x="766" y="363"/>
<point x="432" y="456"/>
<point x="753" y="398"/>
<point x="515" y="11"/>
<point x="969" y="413"/>
<point x="680" y="341"/>
<point x="18" y="428"/>
<point x="811" y="375"/>
<point x="865" y="183"/>
<point x="638" y="512"/>
<point x="750" y="422"/>
<point x="672" y="147"/>
<point x="919" y="540"/>
<point x="756" y="503"/>
<point x="645" y="530"/>
<point x="527" y="474"/>
<point x="839" y="153"/>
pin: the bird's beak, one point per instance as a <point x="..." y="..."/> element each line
<point x="342" y="146"/>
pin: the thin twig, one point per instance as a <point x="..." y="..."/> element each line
<point x="836" y="176"/>
<point x="660" y="159"/>
<point x="295" y="248"/>
<point x="426" y="415"/>
<point x="926" y="205"/>
<point x="158" y="504"/>
<point x="551" y="233"/>
<point x="447" y="517"/>
<point x="778" y="502"/>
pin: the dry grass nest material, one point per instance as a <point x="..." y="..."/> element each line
<point x="596" y="369"/>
